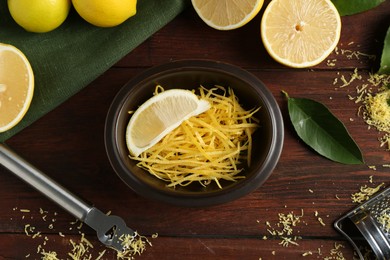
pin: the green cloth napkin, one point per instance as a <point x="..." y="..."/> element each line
<point x="72" y="56"/>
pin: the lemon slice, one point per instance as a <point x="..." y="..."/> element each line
<point x="300" y="33"/>
<point x="227" y="14"/>
<point x="16" y="86"/>
<point x="160" y="115"/>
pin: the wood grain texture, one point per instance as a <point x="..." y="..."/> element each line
<point x="68" y="145"/>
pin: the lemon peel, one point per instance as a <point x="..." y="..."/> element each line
<point x="103" y="13"/>
<point x="39" y="16"/>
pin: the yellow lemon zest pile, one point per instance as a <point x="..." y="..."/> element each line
<point x="376" y="112"/>
<point x="373" y="95"/>
<point x="207" y="147"/>
<point x="50" y="255"/>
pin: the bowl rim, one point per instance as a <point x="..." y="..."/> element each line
<point x="141" y="188"/>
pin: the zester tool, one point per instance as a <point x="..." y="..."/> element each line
<point x="110" y="229"/>
<point x="369" y="225"/>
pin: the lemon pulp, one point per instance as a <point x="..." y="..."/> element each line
<point x="300" y="33"/>
<point x="16" y="86"/>
<point x="160" y="115"/>
<point x="227" y="14"/>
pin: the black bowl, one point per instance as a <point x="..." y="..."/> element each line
<point x="190" y="74"/>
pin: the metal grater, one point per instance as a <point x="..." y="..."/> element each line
<point x="369" y="224"/>
<point x="380" y="209"/>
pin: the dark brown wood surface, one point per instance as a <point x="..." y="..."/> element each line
<point x="68" y="145"/>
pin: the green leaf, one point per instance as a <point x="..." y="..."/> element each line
<point x="349" y="7"/>
<point x="385" y="60"/>
<point x="322" y="131"/>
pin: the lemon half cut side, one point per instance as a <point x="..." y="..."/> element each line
<point x="159" y="115"/>
<point x="227" y="14"/>
<point x="16" y="86"/>
<point x="300" y="33"/>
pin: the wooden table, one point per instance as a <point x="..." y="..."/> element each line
<point x="67" y="144"/>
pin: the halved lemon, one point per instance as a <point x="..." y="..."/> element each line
<point x="16" y="86"/>
<point x="300" y="33"/>
<point x="159" y="115"/>
<point x="227" y="14"/>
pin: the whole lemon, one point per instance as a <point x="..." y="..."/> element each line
<point x="105" y="13"/>
<point x="39" y="15"/>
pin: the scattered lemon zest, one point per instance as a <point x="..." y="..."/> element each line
<point x="38" y="234"/>
<point x="365" y="193"/>
<point x="49" y="255"/>
<point x="355" y="75"/>
<point x="132" y="245"/>
<point x="286" y="241"/>
<point x="82" y="250"/>
<point x="101" y="254"/>
<point x="331" y="63"/>
<point x="356" y="54"/>
<point x="321" y="221"/>
<point x="28" y="229"/>
<point x="335" y="253"/>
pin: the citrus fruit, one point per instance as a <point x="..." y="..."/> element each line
<point x="227" y="14"/>
<point x="105" y="13"/>
<point x="16" y="86"/>
<point x="39" y="15"/>
<point x="159" y="115"/>
<point x="300" y="33"/>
